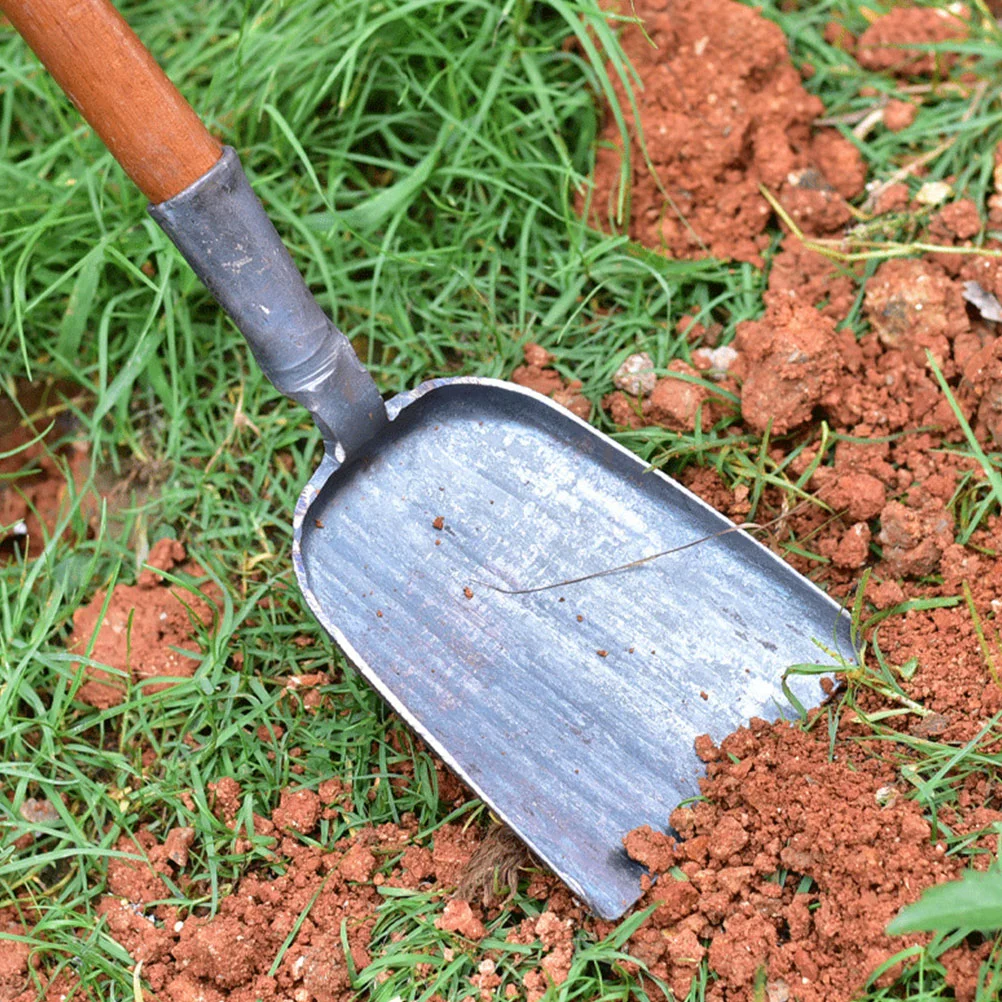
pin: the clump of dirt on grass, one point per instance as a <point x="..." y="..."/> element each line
<point x="800" y="274"/>
<point x="789" y="364"/>
<point x="889" y="43"/>
<point x="137" y="628"/>
<point x="683" y="396"/>
<point x="538" y="374"/>
<point x="723" y="111"/>
<point x="793" y="866"/>
<point x="795" y="861"/>
<point x="240" y="953"/>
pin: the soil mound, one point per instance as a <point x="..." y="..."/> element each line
<point x="723" y="111"/>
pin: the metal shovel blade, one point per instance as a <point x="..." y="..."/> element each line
<point x="571" y="711"/>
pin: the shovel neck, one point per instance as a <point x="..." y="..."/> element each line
<point x="223" y="232"/>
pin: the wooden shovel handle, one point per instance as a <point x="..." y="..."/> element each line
<point x="115" y="83"/>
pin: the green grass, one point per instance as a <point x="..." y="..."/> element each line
<point x="422" y="160"/>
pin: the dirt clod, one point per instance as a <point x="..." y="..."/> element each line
<point x="888" y="44"/>
<point x="459" y="917"/>
<point x="913" y="305"/>
<point x="298" y="810"/>
<point x="791" y="363"/>
<point x="537" y="375"/>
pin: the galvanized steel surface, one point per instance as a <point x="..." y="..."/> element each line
<point x="573" y="711"/>
<point x="221" y="228"/>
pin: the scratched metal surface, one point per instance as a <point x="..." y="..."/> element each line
<point x="571" y="748"/>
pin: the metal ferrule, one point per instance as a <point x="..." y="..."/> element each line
<point x="221" y="228"/>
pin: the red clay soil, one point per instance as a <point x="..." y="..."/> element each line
<point x="852" y="849"/>
<point x="723" y="111"/>
<point x="537" y="374"/>
<point x="887" y="44"/>
<point x="142" y="631"/>
<point x="239" y="954"/>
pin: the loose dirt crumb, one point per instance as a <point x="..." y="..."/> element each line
<point x="914" y="305"/>
<point x="888" y="44"/>
<point x="459" y="917"/>
<point x="536" y="375"/>
<point x="914" y="540"/>
<point x="164" y="555"/>
<point x="893" y="198"/>
<point x="808" y="278"/>
<point x="438" y="522"/>
<point x="298" y="810"/>
<point x="177" y="844"/>
<point x="960" y="219"/>
<point x="653" y="849"/>
<point x="899" y="115"/>
<point x="225" y="799"/>
<point x="676" y="402"/>
<point x="791" y="363"/>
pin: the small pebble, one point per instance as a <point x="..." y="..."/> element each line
<point x="636" y="375"/>
<point x="933" y="193"/>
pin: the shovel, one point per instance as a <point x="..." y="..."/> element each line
<point x="571" y="710"/>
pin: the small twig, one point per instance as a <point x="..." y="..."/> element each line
<point x="847" y="118"/>
<point x="902" y="172"/>
<point x="877" y="249"/>
<point x="872" y="118"/>
<point x="853" y="117"/>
